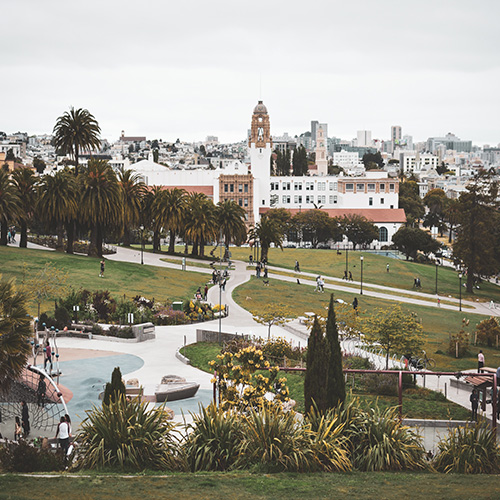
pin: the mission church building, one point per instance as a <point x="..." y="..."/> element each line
<point x="251" y="185"/>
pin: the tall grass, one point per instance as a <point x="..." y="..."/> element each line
<point x="471" y="449"/>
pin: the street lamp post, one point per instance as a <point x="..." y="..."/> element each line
<point x="361" y="288"/>
<point x="220" y="286"/>
<point x="347" y="258"/>
<point x="142" y="243"/>
<point x="437" y="265"/>
<point x="460" y="292"/>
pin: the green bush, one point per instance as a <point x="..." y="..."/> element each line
<point x="97" y="329"/>
<point x="381" y="384"/>
<point x="62" y="317"/>
<point x="124" y="332"/>
<point x="23" y="457"/>
<point x="469" y="450"/>
<point x="126" y="435"/>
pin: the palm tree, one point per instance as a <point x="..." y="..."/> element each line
<point x="25" y="181"/>
<point x="9" y="205"/>
<point x="171" y="212"/>
<point x="230" y="219"/>
<point x="75" y="132"/>
<point x="100" y="201"/>
<point x="57" y="202"/>
<point x="200" y="225"/>
<point x="150" y="214"/>
<point x="267" y="231"/>
<point x="132" y="191"/>
<point x="14" y="333"/>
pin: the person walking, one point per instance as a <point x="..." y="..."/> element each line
<point x="480" y="361"/>
<point x="321" y="285"/>
<point x="223" y="284"/>
<point x="474" y="401"/>
<point x="265" y="273"/>
<point x="355" y="304"/>
<point x="25" y="418"/>
<point x="345" y="275"/>
<point x="387" y="267"/>
<point x="101" y="274"/>
<point x="350" y="276"/>
<point x="439" y="302"/>
<point x="41" y="391"/>
<point x="205" y="292"/>
<point x="63" y="433"/>
<point x="250" y="259"/>
<point x="48" y="355"/>
<point x="297" y="267"/>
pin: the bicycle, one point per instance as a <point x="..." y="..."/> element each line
<point x="426" y="362"/>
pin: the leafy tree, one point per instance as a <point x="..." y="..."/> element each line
<point x="273" y="314"/>
<point x="100" y="202"/>
<point x="299" y="161"/>
<point x="150" y="214"/>
<point x="335" y="380"/>
<point x="373" y="161"/>
<point x="451" y="216"/>
<point x="267" y="232"/>
<point x="435" y="200"/>
<point x="316" y="226"/>
<point x="14" y="333"/>
<point x="230" y="219"/>
<point x="75" y="132"/>
<point x="57" y="204"/>
<point x="283" y="162"/>
<point x="132" y="190"/>
<point x="10" y="156"/>
<point x="316" y="379"/>
<point x="39" y="165"/>
<point x="171" y="211"/>
<point x="488" y="332"/>
<point x="358" y="229"/>
<point x="115" y="389"/>
<point x="395" y="330"/>
<point x="9" y="205"/>
<point x="410" y="201"/>
<point x="477" y="234"/>
<point x="24" y="181"/>
<point x="281" y="216"/>
<point x="411" y="240"/>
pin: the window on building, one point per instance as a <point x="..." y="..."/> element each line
<point x="321" y="186"/>
<point x="246" y="188"/>
<point x="285" y="198"/>
<point x="360" y="187"/>
<point x="371" y="187"/>
<point x="321" y="198"/>
<point x="309" y="186"/>
<point x="382" y="187"/>
<point x="392" y="206"/>
<point x="297" y="186"/>
<point x="240" y="202"/>
<point x="383" y="234"/>
<point x="391" y="187"/>
<point x="240" y="188"/>
<point x="349" y="187"/>
<point x="226" y="188"/>
<point x="309" y="198"/>
<point x="370" y="201"/>
<point x="382" y="201"/>
<point x="231" y="188"/>
<point x="245" y="202"/>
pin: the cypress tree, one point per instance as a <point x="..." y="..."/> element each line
<point x="335" y="380"/>
<point x="115" y="389"/>
<point x="315" y="383"/>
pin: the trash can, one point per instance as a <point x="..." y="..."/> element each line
<point x="177" y="306"/>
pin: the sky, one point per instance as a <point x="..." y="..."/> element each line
<point x="187" y="69"/>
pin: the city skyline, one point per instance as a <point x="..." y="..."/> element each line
<point x="192" y="70"/>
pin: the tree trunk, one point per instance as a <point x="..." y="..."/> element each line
<point x="156" y="241"/>
<point x="60" y="238"/>
<point x="387" y="360"/>
<point x="171" y="245"/>
<point x="99" y="240"/>
<point x="126" y="236"/>
<point x="470" y="281"/>
<point x="92" y="251"/>
<point x="194" y="250"/>
<point x="70" y="234"/>
<point x="23" y="242"/>
<point x="3" y="233"/>
<point x="202" y="247"/>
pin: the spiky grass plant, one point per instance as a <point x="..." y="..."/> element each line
<point x="213" y="439"/>
<point x="382" y="443"/>
<point x="471" y="449"/>
<point x="126" y="435"/>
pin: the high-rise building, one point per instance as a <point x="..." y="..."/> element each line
<point x="321" y="161"/>
<point x="396" y="134"/>
<point x="364" y="138"/>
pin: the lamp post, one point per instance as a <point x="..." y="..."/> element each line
<point x="460" y="291"/>
<point x="347" y="258"/>
<point x="361" y="288"/>
<point x="437" y="265"/>
<point x="220" y="285"/>
<point x="142" y="243"/>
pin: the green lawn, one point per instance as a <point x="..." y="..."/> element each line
<point x="438" y="324"/>
<point x="120" y="278"/>
<point x="245" y="485"/>
<point x="401" y="273"/>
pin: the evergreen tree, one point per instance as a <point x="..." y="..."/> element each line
<point x="115" y="389"/>
<point x="335" y="380"/>
<point x="316" y="380"/>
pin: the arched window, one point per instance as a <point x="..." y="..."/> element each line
<point x="383" y="235"/>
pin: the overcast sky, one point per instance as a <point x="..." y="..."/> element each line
<point x="188" y="69"/>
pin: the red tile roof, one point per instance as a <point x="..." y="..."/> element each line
<point x="379" y="215"/>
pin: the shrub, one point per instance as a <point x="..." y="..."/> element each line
<point x="23" y="457"/>
<point x="214" y="439"/>
<point x="103" y="304"/>
<point x="97" y="329"/>
<point x="488" y="332"/>
<point x="114" y="389"/>
<point x="126" y="435"/>
<point x="382" y="384"/>
<point x="469" y="450"/>
<point x="62" y="317"/>
<point x="459" y="340"/>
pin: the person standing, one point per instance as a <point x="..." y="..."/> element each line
<point x="265" y="273"/>
<point x="345" y="275"/>
<point x="297" y="266"/>
<point x="18" y="430"/>
<point x="355" y="304"/>
<point x="25" y="418"/>
<point x="205" y="292"/>
<point x="474" y="401"/>
<point x="48" y="355"/>
<point x="63" y="433"/>
<point x="101" y="274"/>
<point x="439" y="302"/>
<point x="41" y="391"/>
<point x="480" y="361"/>
<point x="387" y="268"/>
<point x="350" y="276"/>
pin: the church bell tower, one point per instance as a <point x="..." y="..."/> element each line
<point x="260" y="145"/>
